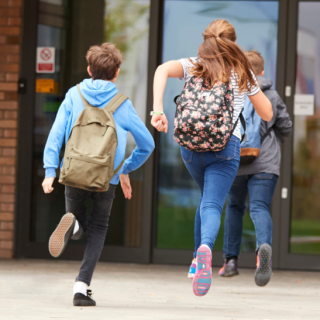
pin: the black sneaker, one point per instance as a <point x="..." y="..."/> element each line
<point x="229" y="268"/>
<point x="264" y="265"/>
<point x="80" y="300"/>
<point x="60" y="237"/>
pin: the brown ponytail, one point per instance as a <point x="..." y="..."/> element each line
<point x="219" y="54"/>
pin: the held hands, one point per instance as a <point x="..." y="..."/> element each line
<point x="160" y="122"/>
<point x="47" y="185"/>
<point x="126" y="186"/>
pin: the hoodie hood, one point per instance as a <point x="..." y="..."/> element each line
<point x="98" y="92"/>
<point x="265" y="84"/>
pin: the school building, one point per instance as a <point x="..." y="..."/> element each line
<point x="42" y="54"/>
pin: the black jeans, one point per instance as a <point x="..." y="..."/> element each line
<point x="96" y="227"/>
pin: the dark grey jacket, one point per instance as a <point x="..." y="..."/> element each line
<point x="269" y="158"/>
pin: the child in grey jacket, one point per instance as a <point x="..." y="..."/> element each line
<point x="259" y="178"/>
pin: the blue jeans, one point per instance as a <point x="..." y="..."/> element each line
<point x="261" y="188"/>
<point x="214" y="173"/>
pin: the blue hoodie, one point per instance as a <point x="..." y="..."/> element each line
<point x="98" y="93"/>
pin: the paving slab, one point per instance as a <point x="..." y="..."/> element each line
<point x="42" y="289"/>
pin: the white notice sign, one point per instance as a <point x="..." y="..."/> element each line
<point x="45" y="60"/>
<point x="303" y="105"/>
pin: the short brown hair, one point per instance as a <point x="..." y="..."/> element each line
<point x="104" y="61"/>
<point x="256" y="61"/>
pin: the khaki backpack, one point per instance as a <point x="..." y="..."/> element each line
<point x="90" y="151"/>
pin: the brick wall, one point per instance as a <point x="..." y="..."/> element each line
<point x="10" y="29"/>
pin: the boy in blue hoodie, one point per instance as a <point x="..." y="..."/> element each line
<point x="103" y="67"/>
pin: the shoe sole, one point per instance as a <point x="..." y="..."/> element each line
<point x="229" y="274"/>
<point x="60" y="237"/>
<point x="83" y="303"/>
<point x="202" y="279"/>
<point x="264" y="271"/>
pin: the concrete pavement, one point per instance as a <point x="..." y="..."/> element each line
<point x="40" y="290"/>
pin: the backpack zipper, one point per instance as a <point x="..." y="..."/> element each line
<point x="69" y="163"/>
<point x="105" y="131"/>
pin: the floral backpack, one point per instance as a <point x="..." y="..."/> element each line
<point x="203" y="120"/>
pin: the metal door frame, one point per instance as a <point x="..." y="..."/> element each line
<point x="23" y="247"/>
<point x="291" y="260"/>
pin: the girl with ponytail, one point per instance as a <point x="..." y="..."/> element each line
<point x="220" y="64"/>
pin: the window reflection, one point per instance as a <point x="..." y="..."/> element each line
<point x="72" y="26"/>
<point x="305" y="203"/>
<point x="256" y="24"/>
<point x="126" y="23"/>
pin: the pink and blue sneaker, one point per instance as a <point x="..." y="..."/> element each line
<point x="202" y="279"/>
<point x="192" y="270"/>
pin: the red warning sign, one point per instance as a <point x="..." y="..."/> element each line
<point x="45" y="60"/>
<point x="46" y="54"/>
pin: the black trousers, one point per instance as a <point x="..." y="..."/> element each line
<point x="96" y="228"/>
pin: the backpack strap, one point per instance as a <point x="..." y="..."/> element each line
<point x="116" y="102"/>
<point x="277" y="133"/>
<point x="175" y="100"/>
<point x="244" y="125"/>
<point x="119" y="166"/>
<point x="243" y="122"/>
<point x="84" y="101"/>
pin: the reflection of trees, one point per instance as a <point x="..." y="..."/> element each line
<point x="126" y="25"/>
<point x="306" y="174"/>
<point x="121" y="17"/>
<point x="172" y="170"/>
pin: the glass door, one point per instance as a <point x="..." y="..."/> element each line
<point x="301" y="219"/>
<point x="68" y="28"/>
<point x="256" y="25"/>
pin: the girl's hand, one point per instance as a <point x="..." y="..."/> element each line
<point x="160" y="122"/>
<point x="47" y="185"/>
<point x="126" y="186"/>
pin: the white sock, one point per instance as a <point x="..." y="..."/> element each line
<point x="76" y="227"/>
<point x="80" y="287"/>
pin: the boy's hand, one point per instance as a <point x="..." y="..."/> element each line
<point x="47" y="185"/>
<point x="160" y="122"/>
<point x="126" y="186"/>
